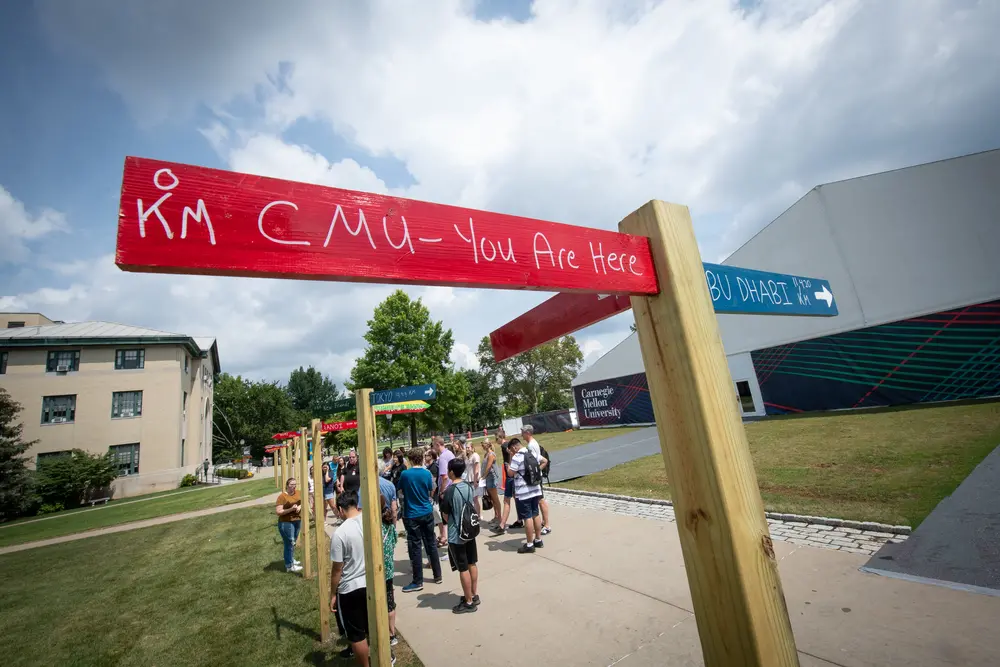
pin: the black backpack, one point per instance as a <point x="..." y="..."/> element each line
<point x="468" y="525"/>
<point x="532" y="474"/>
<point x="545" y="455"/>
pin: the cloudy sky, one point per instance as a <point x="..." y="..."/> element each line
<point x="573" y="111"/>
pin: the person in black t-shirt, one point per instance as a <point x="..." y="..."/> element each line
<point x="350" y="475"/>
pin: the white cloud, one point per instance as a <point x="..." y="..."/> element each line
<point x="580" y="114"/>
<point x="18" y="227"/>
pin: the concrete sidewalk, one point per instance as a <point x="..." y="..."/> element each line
<point x="609" y="589"/>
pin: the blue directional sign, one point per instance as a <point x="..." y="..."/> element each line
<point x="420" y="392"/>
<point x="746" y="291"/>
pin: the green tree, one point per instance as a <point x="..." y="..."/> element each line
<point x="68" y="481"/>
<point x="311" y="392"/>
<point x="251" y="412"/>
<point x="406" y="347"/>
<point x="16" y="493"/>
<point x="486" y="408"/>
<point x="537" y="380"/>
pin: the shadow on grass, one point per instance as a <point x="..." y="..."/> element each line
<point x="276" y="566"/>
<point x="280" y="623"/>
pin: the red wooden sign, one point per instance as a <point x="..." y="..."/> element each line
<point x="176" y="218"/>
<point x="339" y="426"/>
<point x="558" y="316"/>
<point x="287" y="435"/>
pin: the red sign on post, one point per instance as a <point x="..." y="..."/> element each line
<point x="176" y="218"/>
<point x="558" y="316"/>
<point x="339" y="426"/>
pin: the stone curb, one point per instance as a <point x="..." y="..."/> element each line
<point x="777" y="516"/>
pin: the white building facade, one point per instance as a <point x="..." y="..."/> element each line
<point x="913" y="258"/>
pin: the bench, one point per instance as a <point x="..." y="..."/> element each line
<point x="103" y="501"/>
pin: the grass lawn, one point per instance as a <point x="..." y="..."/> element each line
<point x="205" y="591"/>
<point x="892" y="466"/>
<point x="65" y="523"/>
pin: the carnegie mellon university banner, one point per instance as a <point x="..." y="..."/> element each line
<point x="621" y="400"/>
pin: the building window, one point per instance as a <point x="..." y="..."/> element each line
<point x="49" y="456"/>
<point x="184" y="406"/>
<point x="127" y="458"/>
<point x="186" y="363"/>
<point x="62" y="361"/>
<point x="746" y="397"/>
<point x="182" y="452"/>
<point x="15" y="325"/>
<point x="126" y="404"/>
<point x="129" y="359"/>
<point x="59" y="409"/>
<point x="3" y="363"/>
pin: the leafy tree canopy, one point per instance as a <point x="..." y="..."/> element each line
<point x="311" y="392"/>
<point x="534" y="381"/>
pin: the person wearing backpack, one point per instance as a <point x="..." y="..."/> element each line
<point x="463" y="527"/>
<point x="527" y="497"/>
<point x="541" y="456"/>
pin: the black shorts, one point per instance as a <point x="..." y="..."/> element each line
<point x="390" y="596"/>
<point x="352" y="614"/>
<point x="461" y="556"/>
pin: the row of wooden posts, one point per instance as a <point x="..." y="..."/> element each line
<point x="292" y="460"/>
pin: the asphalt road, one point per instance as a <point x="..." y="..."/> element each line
<point x="959" y="542"/>
<point x="603" y="454"/>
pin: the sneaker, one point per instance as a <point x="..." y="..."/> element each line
<point x="294" y="568"/>
<point x="347" y="653"/>
<point x="392" y="658"/>
<point x="393" y="640"/>
<point x="413" y="588"/>
<point x="546" y="530"/>
<point x="538" y="544"/>
<point x="526" y="549"/>
<point x="497" y="530"/>
<point x="439" y="580"/>
<point x="517" y="524"/>
<point x="475" y="600"/>
<point x="297" y="561"/>
<point x="463" y="607"/>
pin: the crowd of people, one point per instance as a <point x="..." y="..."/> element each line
<point x="440" y="493"/>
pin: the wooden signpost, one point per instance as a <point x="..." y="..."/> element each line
<point x="177" y="218"/>
<point x="303" y="473"/>
<point x="378" y="610"/>
<point x="322" y="543"/>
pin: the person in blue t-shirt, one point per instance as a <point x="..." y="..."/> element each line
<point x="417" y="484"/>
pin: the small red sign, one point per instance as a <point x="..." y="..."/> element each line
<point x="287" y="435"/>
<point x="339" y="426"/>
<point x="558" y="316"/>
<point x="176" y="218"/>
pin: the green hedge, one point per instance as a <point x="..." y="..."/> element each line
<point x="232" y="473"/>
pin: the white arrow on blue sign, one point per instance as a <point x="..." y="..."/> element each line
<point x="420" y="392"/>
<point x="736" y="290"/>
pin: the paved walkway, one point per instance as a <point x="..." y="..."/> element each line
<point x="135" y="525"/>
<point x="959" y="542"/>
<point x="600" y="455"/>
<point x="610" y="589"/>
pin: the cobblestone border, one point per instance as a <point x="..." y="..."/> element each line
<point x="776" y="516"/>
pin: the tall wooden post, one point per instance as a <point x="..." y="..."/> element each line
<point x="735" y="588"/>
<point x="274" y="470"/>
<point x="303" y="472"/>
<point x="285" y="453"/>
<point x="378" y="612"/>
<point x="322" y="547"/>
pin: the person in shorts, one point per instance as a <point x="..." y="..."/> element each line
<point x="463" y="555"/>
<point x="527" y="498"/>
<point x="511" y="446"/>
<point x="348" y="594"/>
